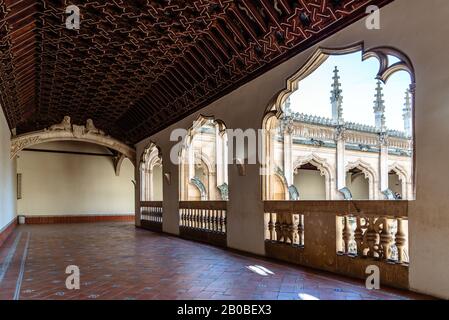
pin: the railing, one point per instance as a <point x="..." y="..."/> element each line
<point x="151" y="215"/>
<point x="382" y="238"/>
<point x="341" y="236"/>
<point x="286" y="228"/>
<point x="203" y="221"/>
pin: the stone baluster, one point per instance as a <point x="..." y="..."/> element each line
<point x="218" y="221"/>
<point x="198" y="218"/>
<point x="401" y="240"/>
<point x="223" y="224"/>
<point x="271" y="227"/>
<point x="222" y="221"/>
<point x="205" y="217"/>
<point x="371" y="238"/>
<point x="284" y="229"/>
<point x="290" y="229"/>
<point x="358" y="236"/>
<point x="204" y="214"/>
<point x="295" y="233"/>
<point x="301" y="230"/>
<point x="213" y="220"/>
<point x="182" y="218"/>
<point x="210" y="218"/>
<point x="385" y="239"/>
<point x="190" y="218"/>
<point x="278" y="228"/>
<point x="346" y="234"/>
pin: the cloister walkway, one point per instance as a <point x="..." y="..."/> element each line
<point x="118" y="261"/>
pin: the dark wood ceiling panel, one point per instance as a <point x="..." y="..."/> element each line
<point x="136" y="66"/>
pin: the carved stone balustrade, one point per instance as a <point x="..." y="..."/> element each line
<point x="378" y="237"/>
<point x="203" y="221"/>
<point x="151" y="215"/>
<point x="343" y="237"/>
<point x="285" y="228"/>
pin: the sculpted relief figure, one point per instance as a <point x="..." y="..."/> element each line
<point x="65" y="125"/>
<point x="78" y="131"/>
<point x="90" y="128"/>
<point x="65" y="131"/>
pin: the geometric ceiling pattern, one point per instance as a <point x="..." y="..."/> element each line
<point x="137" y="66"/>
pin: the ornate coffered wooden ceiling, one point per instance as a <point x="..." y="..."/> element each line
<point x="136" y="66"/>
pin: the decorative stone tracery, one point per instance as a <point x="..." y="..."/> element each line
<point x="205" y="147"/>
<point x="151" y="158"/>
<point x="66" y="131"/>
<point x="352" y="143"/>
<point x="325" y="169"/>
<point x="369" y="174"/>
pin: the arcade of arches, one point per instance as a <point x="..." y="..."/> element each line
<point x="333" y="160"/>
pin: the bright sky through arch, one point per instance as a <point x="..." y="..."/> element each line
<point x="358" y="83"/>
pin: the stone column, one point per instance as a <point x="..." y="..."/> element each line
<point x="340" y="163"/>
<point x="150" y="195"/>
<point x="288" y="161"/>
<point x="407" y="114"/>
<point x="191" y="161"/>
<point x="383" y="165"/>
<point x="147" y="190"/>
<point x="219" y="157"/>
<point x="224" y="139"/>
<point x="142" y="183"/>
<point x="379" y="108"/>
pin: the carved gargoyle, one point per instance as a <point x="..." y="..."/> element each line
<point x="65" y="125"/>
<point x="90" y="128"/>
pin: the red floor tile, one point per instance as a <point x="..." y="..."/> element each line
<point x="118" y="261"/>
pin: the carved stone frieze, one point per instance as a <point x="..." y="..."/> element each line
<point x="66" y="131"/>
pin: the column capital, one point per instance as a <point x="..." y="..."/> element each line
<point x="340" y="133"/>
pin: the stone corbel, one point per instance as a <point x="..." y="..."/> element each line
<point x="118" y="160"/>
<point x="241" y="167"/>
<point x="167" y="177"/>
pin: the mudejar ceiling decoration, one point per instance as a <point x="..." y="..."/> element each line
<point x="136" y="66"/>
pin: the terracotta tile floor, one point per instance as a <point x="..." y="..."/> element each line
<point x="118" y="261"/>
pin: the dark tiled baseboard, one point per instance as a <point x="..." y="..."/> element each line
<point x="7" y="230"/>
<point x="78" y="219"/>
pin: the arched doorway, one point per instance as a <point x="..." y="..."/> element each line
<point x="151" y="173"/>
<point x="358" y="184"/>
<point x="203" y="162"/>
<point x="309" y="182"/>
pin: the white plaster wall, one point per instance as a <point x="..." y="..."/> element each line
<point x="7" y="176"/>
<point x="418" y="28"/>
<point x="68" y="184"/>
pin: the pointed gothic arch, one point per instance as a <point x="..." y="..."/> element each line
<point x="405" y="179"/>
<point x="369" y="174"/>
<point x="150" y="160"/>
<point x="323" y="167"/>
<point x="215" y="162"/>
<point x="321" y="54"/>
<point x="274" y="110"/>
